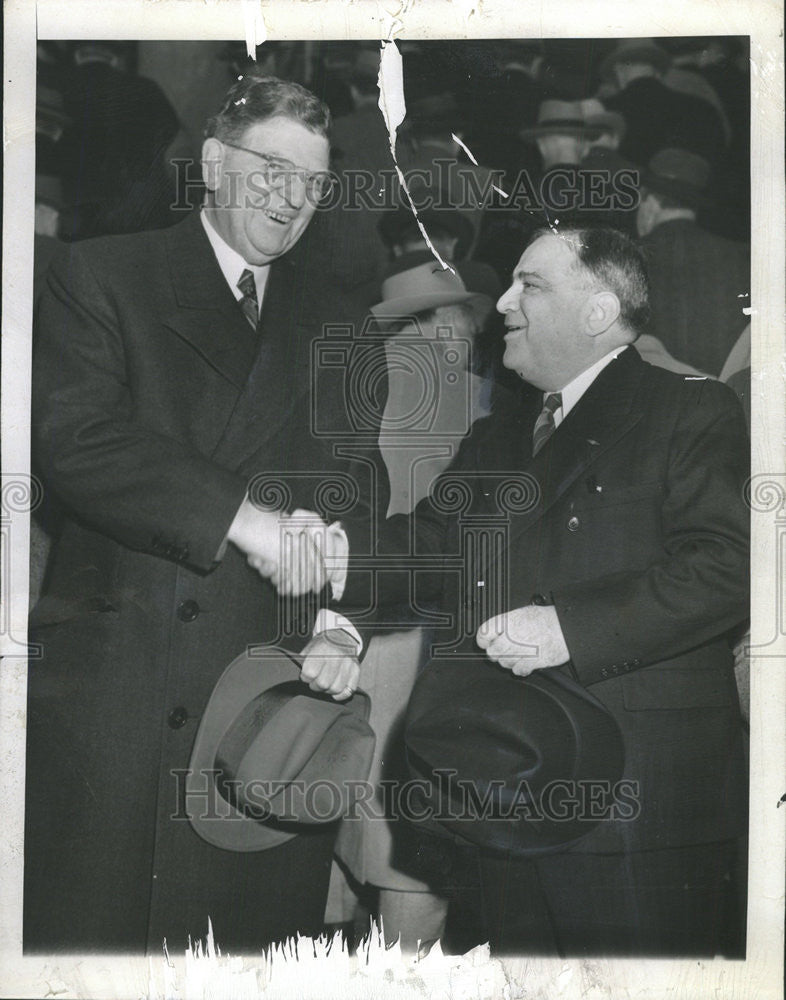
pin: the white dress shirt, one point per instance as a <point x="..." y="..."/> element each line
<point x="575" y="389"/>
<point x="232" y="264"/>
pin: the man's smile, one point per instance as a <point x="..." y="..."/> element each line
<point x="277" y="217"/>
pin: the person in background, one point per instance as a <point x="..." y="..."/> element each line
<point x="699" y="282"/>
<point x="361" y="157"/>
<point x="448" y="231"/>
<point x="656" y="115"/>
<point x="431" y="318"/>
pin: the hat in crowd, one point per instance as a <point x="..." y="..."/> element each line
<point x="557" y="117"/>
<point x="598" y="118"/>
<point x="680" y="174"/>
<point x="271" y="756"/>
<point x="433" y="113"/>
<point x="416" y="283"/>
<point x="395" y="222"/>
<point x="636" y="50"/>
<point x="531" y="743"/>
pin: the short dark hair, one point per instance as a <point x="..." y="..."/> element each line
<point x="617" y="263"/>
<point x="255" y="98"/>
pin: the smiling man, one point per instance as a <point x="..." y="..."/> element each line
<point x="621" y="578"/>
<point x="637" y="555"/>
<point x="171" y="382"/>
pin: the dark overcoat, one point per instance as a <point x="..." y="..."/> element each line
<point x="699" y="285"/>
<point x="155" y="406"/>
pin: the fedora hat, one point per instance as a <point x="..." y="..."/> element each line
<point x="524" y="745"/>
<point x="271" y="757"/>
<point x="396" y="221"/>
<point x="680" y="174"/>
<point x="636" y="50"/>
<point x="416" y="282"/>
<point x="598" y="118"/>
<point x="557" y="117"/>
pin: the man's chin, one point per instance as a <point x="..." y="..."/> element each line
<point x="268" y="249"/>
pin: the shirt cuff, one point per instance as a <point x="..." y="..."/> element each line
<point x="327" y="619"/>
<point x="336" y="560"/>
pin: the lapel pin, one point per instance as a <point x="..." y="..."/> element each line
<point x="592" y="485"/>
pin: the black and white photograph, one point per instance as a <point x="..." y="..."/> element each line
<point x="393" y="501"/>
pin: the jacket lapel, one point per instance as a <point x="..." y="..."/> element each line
<point x="602" y="417"/>
<point x="279" y="378"/>
<point x="207" y="315"/>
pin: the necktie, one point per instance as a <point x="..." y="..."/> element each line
<point x="249" y="303"/>
<point x="544" y="425"/>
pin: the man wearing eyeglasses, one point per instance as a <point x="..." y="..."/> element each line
<point x="171" y="391"/>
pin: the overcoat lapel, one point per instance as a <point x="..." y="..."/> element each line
<point x="279" y="380"/>
<point x="207" y="315"/>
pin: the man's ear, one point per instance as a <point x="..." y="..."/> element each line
<point x="601" y="312"/>
<point x="212" y="162"/>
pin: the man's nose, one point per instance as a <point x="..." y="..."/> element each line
<point x="507" y="301"/>
<point x="294" y="189"/>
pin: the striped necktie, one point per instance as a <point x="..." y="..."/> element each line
<point x="249" y="303"/>
<point x="544" y="425"/>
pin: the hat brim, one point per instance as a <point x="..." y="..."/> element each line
<point x="403" y="308"/>
<point x="484" y="727"/>
<point x="645" y="54"/>
<point x="212" y="817"/>
<point x="579" y="131"/>
<point x="691" y="197"/>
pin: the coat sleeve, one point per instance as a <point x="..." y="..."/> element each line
<point x="149" y="491"/>
<point x="698" y="588"/>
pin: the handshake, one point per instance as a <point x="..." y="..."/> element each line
<point x="297" y="552"/>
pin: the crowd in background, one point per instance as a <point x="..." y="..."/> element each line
<point x="501" y="137"/>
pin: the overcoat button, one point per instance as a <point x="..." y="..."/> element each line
<point x="573" y="524"/>
<point x="540" y="599"/>
<point x="188" y="611"/>
<point x="177" y="718"/>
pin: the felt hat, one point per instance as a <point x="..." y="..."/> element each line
<point x="680" y="174"/>
<point x="503" y="762"/>
<point x="636" y="50"/>
<point x="271" y="757"/>
<point x="598" y="118"/>
<point x="557" y="117"/>
<point x="416" y="282"/>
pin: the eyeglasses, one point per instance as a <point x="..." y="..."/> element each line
<point x="279" y="172"/>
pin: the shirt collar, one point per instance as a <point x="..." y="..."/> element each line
<point x="576" y="388"/>
<point x="231" y="263"/>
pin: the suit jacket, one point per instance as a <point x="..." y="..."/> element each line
<point x="631" y="522"/>
<point x="155" y="406"/>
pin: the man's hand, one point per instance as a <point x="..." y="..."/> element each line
<point x="330" y="664"/>
<point x="282" y="549"/>
<point x="524" y="639"/>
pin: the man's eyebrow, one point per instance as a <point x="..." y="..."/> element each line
<point x="521" y="274"/>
